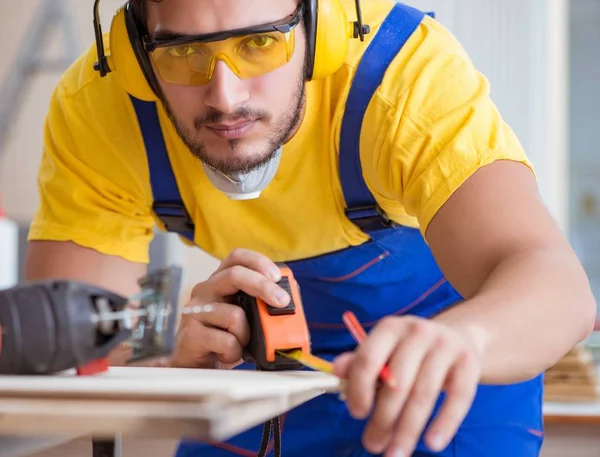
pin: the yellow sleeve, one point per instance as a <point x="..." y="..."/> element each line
<point x="89" y="188"/>
<point x="434" y="125"/>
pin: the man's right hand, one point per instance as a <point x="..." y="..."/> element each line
<point x="218" y="336"/>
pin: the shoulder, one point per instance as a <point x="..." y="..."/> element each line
<point x="82" y="89"/>
<point x="431" y="122"/>
<point x="430" y="53"/>
<point x="430" y="38"/>
<point x="91" y="118"/>
<point x="93" y="179"/>
<point x="429" y="73"/>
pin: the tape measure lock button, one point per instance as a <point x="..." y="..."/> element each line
<point x="284" y="283"/>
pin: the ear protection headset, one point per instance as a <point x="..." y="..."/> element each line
<point x="328" y="38"/>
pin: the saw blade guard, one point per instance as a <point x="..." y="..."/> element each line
<point x="154" y="323"/>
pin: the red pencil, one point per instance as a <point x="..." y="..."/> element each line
<point x="359" y="334"/>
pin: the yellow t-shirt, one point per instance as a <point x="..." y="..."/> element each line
<point x="430" y="125"/>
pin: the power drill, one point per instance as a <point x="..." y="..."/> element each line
<point x="55" y="325"/>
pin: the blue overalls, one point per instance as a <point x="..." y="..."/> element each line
<point x="392" y="274"/>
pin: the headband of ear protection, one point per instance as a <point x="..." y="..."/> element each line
<point x="328" y="37"/>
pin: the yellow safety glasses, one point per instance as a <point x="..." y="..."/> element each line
<point x="249" y="52"/>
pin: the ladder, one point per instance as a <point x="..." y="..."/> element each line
<point x="50" y="16"/>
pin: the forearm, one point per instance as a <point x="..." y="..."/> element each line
<point x="61" y="259"/>
<point x="532" y="309"/>
<point x="58" y="259"/>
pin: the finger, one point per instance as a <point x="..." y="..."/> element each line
<point x="423" y="397"/>
<point x="461" y="388"/>
<point x="198" y="343"/>
<point x="252" y="260"/>
<point x="238" y="278"/>
<point x="405" y="364"/>
<point x="226" y="317"/>
<point x="369" y="358"/>
<point x="342" y="363"/>
<point x="187" y="354"/>
<point x="224" y="345"/>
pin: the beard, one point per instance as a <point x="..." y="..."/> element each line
<point x="247" y="161"/>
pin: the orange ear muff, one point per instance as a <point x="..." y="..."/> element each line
<point x="130" y="68"/>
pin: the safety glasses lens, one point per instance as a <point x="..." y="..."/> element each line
<point x="247" y="56"/>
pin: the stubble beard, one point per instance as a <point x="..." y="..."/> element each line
<point x="244" y="162"/>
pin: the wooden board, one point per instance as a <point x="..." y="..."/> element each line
<point x="169" y="384"/>
<point x="571" y="393"/>
<point x="573" y="378"/>
<point x="572" y="412"/>
<point x="154" y="402"/>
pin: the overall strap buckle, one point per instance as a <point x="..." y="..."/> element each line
<point x="174" y="215"/>
<point x="168" y="204"/>
<point x="369" y="218"/>
<point x="361" y="206"/>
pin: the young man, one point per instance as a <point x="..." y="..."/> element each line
<point x="377" y="168"/>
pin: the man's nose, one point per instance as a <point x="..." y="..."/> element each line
<point x="225" y="91"/>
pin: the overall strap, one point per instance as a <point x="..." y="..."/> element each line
<point x="361" y="206"/>
<point x="168" y="204"/>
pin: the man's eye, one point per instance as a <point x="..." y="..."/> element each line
<point x="261" y="41"/>
<point x="181" y="51"/>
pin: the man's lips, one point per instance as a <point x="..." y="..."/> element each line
<point x="233" y="130"/>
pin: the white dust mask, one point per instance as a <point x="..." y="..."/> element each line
<point x="245" y="186"/>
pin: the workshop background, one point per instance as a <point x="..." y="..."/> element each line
<point x="542" y="58"/>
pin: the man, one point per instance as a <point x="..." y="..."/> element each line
<point x="406" y="199"/>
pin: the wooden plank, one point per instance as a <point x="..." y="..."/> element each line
<point x="572" y="412"/>
<point x="154" y="402"/>
<point x="169" y="384"/>
<point x="141" y="419"/>
<point x="566" y="420"/>
<point x="571" y="393"/>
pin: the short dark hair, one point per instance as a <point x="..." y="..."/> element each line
<point x="140" y="9"/>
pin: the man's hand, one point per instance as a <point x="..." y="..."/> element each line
<point x="426" y="358"/>
<point x="219" y="335"/>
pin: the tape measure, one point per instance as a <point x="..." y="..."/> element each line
<point x="277" y="335"/>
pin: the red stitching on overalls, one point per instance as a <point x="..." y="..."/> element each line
<point x="423" y="296"/>
<point x="535" y="432"/>
<point x="359" y="270"/>
<point x="242" y="451"/>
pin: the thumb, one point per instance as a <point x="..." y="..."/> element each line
<point x="228" y="366"/>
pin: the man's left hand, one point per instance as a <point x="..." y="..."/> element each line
<point x="426" y="358"/>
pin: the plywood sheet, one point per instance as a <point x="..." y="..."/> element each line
<point x="154" y="402"/>
<point x="151" y="419"/>
<point x="169" y="384"/>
